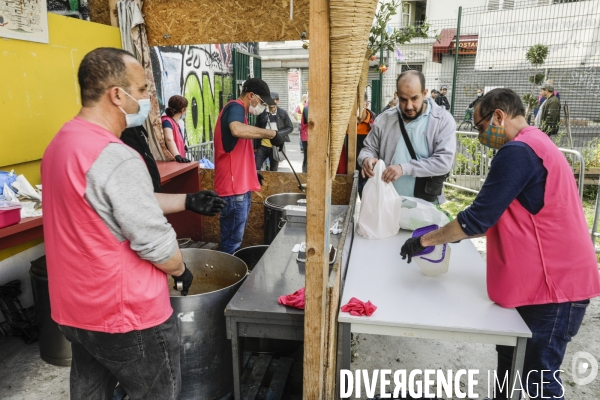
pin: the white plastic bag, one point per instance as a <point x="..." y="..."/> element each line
<point x="417" y="213"/>
<point x="380" y="207"/>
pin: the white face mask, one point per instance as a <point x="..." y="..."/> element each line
<point x="137" y="119"/>
<point x="257" y="110"/>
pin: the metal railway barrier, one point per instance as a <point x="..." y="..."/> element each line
<point x="199" y="151"/>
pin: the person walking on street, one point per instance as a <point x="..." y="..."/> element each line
<point x="277" y="119"/>
<point x="235" y="169"/>
<point x="298" y="113"/>
<point x="109" y="247"/>
<point x="474" y="102"/>
<point x="171" y="130"/>
<point x="546" y="270"/>
<point x="430" y="130"/>
<point x="441" y="99"/>
<point x="304" y="138"/>
<point x="549" y="114"/>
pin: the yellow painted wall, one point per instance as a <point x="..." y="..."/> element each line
<point x="39" y="92"/>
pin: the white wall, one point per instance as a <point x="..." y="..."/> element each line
<point x="448" y="9"/>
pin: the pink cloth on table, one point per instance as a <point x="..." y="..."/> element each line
<point x="295" y="299"/>
<point x="358" y="308"/>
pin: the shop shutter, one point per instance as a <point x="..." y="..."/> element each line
<point x="276" y="78"/>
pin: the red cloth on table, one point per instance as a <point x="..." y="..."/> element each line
<point x="295" y="299"/>
<point x="358" y="308"/>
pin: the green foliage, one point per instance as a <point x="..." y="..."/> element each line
<point x="591" y="154"/>
<point x="380" y="38"/>
<point x="469" y="161"/>
<point x="537" y="79"/>
<point x="530" y="101"/>
<point x="536" y="55"/>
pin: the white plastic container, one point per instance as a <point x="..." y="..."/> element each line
<point x="434" y="260"/>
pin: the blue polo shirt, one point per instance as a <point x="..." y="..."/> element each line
<point x="416" y="129"/>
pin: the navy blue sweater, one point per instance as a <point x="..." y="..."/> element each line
<point x="516" y="173"/>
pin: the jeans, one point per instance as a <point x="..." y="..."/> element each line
<point x="145" y="363"/>
<point x="233" y="221"/>
<point x="552" y="327"/>
<point x="262" y="153"/>
<point x="304" y="160"/>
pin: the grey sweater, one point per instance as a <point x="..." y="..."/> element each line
<point x="381" y="142"/>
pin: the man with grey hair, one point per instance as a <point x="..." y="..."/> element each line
<point x="109" y="247"/>
<point x="429" y="129"/>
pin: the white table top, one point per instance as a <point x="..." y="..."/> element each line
<point x="456" y="301"/>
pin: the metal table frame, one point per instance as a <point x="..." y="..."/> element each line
<point x="254" y="311"/>
<point x="515" y="336"/>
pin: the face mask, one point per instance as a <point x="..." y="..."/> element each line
<point x="257" y="110"/>
<point x="493" y="136"/>
<point x="138" y="118"/>
<point x="478" y="94"/>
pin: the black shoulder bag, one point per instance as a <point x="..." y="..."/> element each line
<point x="427" y="187"/>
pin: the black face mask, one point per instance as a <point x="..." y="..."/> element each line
<point x="407" y="118"/>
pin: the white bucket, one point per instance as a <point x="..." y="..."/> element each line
<point x="434" y="263"/>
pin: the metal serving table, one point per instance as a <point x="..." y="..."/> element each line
<point x="453" y="306"/>
<point x="254" y="310"/>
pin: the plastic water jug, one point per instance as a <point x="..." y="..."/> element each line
<point x="434" y="260"/>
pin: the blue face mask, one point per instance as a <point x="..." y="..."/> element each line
<point x="138" y="118"/>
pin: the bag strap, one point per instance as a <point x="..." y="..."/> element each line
<point x="406" y="139"/>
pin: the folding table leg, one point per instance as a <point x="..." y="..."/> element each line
<point x="517" y="367"/>
<point x="344" y="337"/>
<point x="237" y="353"/>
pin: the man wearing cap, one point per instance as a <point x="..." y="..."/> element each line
<point x="434" y="94"/>
<point x="274" y="118"/>
<point x="549" y="115"/>
<point x="235" y="169"/>
<point x="441" y="99"/>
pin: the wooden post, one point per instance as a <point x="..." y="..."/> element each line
<point x="318" y="201"/>
<point x="352" y="143"/>
<point x="114" y="18"/>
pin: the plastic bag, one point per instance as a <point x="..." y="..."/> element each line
<point x="206" y="164"/>
<point x="380" y="207"/>
<point x="417" y="213"/>
<point x="7" y="178"/>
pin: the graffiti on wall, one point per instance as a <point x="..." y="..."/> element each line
<point x="203" y="75"/>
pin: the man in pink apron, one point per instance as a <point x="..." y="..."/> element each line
<point x="109" y="247"/>
<point x="540" y="258"/>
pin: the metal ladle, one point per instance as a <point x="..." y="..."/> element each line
<point x="301" y="186"/>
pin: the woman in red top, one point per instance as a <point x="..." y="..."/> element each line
<point x="170" y="124"/>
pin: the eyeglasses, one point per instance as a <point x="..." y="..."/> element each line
<point x="483" y="119"/>
<point x="261" y="100"/>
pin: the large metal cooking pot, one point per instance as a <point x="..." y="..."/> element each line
<point x="251" y="255"/>
<point x="274" y="212"/>
<point x="206" y="364"/>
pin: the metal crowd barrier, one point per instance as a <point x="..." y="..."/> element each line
<point x="472" y="164"/>
<point x="200" y="151"/>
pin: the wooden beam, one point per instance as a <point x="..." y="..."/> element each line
<point x="114" y="17"/>
<point x="318" y="201"/>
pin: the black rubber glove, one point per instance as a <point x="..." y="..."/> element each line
<point x="205" y="202"/>
<point x="180" y="159"/>
<point x="411" y="247"/>
<point x="278" y="141"/>
<point x="260" y="178"/>
<point x="186" y="279"/>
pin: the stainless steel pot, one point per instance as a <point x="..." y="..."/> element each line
<point x="274" y="212"/>
<point x="206" y="364"/>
